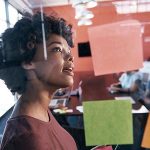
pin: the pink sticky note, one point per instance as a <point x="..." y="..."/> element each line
<point x="116" y="47"/>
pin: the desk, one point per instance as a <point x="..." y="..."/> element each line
<point x="95" y="88"/>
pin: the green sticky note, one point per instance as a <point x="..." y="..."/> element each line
<point x="108" y="122"/>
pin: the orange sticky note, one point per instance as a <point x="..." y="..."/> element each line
<point x="116" y="47"/>
<point x="146" y="137"/>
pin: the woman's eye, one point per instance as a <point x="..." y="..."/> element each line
<point x="57" y="49"/>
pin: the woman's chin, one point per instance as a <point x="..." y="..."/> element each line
<point x="68" y="83"/>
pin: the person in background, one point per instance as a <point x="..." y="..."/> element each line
<point x="27" y="72"/>
<point x="147" y="86"/>
<point x="147" y="100"/>
<point x="126" y="82"/>
<point x="130" y="82"/>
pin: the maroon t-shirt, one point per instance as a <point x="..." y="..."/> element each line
<point x="28" y="133"/>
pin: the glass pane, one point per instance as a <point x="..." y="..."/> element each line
<point x="6" y="100"/>
<point x="141" y="8"/>
<point x="144" y="1"/>
<point x="13" y="14"/>
<point x="148" y="8"/>
<point x="19" y="16"/>
<point x="2" y="10"/>
<point x="133" y="8"/>
<point x="3" y="26"/>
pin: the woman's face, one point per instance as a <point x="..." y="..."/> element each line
<point x="57" y="70"/>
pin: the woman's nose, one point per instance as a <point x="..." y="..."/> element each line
<point x="70" y="58"/>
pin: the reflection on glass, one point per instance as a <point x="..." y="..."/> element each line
<point x="6" y="98"/>
<point x="13" y="15"/>
<point x="19" y="16"/>
<point x="2" y="11"/>
<point x="134" y="6"/>
<point x="3" y="26"/>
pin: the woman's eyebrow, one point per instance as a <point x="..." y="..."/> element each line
<point x="54" y="42"/>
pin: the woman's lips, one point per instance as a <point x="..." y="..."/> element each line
<point x="68" y="71"/>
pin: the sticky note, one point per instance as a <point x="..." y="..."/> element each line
<point x="146" y="137"/>
<point x="108" y="122"/>
<point x="116" y="47"/>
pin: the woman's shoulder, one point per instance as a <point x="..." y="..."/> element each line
<point x="23" y="141"/>
<point x="22" y="125"/>
<point x="21" y="131"/>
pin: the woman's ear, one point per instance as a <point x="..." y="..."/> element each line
<point x="28" y="65"/>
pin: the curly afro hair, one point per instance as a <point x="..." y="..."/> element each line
<point x="14" y="50"/>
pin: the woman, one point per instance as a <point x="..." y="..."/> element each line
<point x="26" y="72"/>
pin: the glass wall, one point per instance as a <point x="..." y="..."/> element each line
<point x="8" y="17"/>
<point x="3" y="23"/>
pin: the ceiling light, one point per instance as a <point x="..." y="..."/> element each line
<point x="91" y="4"/>
<point x="86" y="14"/>
<point x="84" y="3"/>
<point x="82" y="22"/>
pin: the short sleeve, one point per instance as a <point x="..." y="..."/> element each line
<point x="25" y="142"/>
<point x="148" y="85"/>
<point x="123" y="76"/>
<point x="137" y="76"/>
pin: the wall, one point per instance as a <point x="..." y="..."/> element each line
<point x="104" y="13"/>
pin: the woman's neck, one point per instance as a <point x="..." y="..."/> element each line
<point x="35" y="101"/>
